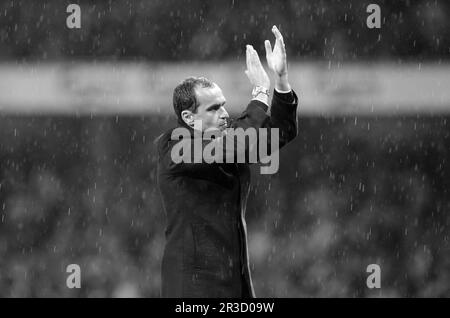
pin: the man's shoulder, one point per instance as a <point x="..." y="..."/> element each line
<point x="164" y="141"/>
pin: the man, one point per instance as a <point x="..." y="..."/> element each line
<point x="206" y="242"/>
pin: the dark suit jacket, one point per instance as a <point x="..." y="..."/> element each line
<point x="206" y="241"/>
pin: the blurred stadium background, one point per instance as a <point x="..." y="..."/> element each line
<point x="366" y="181"/>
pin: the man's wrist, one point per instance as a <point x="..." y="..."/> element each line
<point x="282" y="83"/>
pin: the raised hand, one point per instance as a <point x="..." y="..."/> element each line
<point x="276" y="58"/>
<point x="255" y="71"/>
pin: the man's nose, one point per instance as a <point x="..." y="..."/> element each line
<point x="224" y="113"/>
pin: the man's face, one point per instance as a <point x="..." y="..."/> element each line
<point x="211" y="109"/>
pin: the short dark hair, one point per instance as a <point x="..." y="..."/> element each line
<point x="184" y="97"/>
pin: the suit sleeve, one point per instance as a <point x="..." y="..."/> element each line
<point x="284" y="116"/>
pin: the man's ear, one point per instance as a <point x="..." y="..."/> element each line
<point x="188" y="117"/>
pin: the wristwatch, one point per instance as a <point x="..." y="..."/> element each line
<point x="259" y="90"/>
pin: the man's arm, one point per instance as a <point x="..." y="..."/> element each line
<point x="284" y="101"/>
<point x="283" y="108"/>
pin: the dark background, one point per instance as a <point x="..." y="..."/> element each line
<point x="175" y="30"/>
<point x="351" y="191"/>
